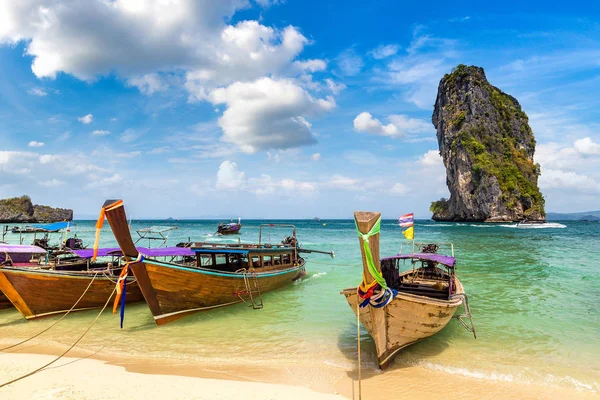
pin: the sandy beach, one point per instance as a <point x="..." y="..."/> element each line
<point x="87" y="375"/>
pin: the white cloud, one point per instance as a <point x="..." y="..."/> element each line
<point x="268" y="114"/>
<point x="399" y="189"/>
<point x="100" y="133"/>
<point x="248" y="51"/>
<point x="316" y="156"/>
<point x="159" y="150"/>
<point x="64" y="136"/>
<point x="267" y="186"/>
<point x="334" y="87"/>
<point x="105" y="181"/>
<point x="431" y="159"/>
<point x="343" y="182"/>
<point x="311" y="65"/>
<point x="411" y="125"/>
<point x="556" y="179"/>
<point x="364" y="122"/>
<point x="587" y="146"/>
<point x="185" y="42"/>
<point x="349" y="62"/>
<point x="229" y="177"/>
<point x="52" y="183"/>
<point x="33" y="143"/>
<point x="130" y="135"/>
<point x="149" y="83"/>
<point x="420" y="68"/>
<point x="575" y="168"/>
<point x="37" y="92"/>
<point x="384" y="51"/>
<point x="86" y="119"/>
<point x="130" y="154"/>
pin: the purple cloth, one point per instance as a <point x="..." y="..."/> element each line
<point x="440" y="258"/>
<point x="156" y="252"/>
<point x="19" y="253"/>
<point x="21" y="248"/>
<point x="88" y="253"/>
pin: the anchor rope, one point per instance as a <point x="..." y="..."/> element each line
<point x="66" y="351"/>
<point x="57" y="321"/>
<point x="358" y="337"/>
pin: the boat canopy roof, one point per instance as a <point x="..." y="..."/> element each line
<point x="221" y="251"/>
<point x="209" y="248"/>
<point x="21" y="248"/>
<point x="439" y="258"/>
<point x="52" y="227"/>
<point x="155" y="252"/>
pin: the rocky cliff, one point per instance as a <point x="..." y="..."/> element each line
<point x="487" y="147"/>
<point x="21" y="209"/>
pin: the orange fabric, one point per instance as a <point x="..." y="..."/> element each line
<point x="100" y="224"/>
<point x="120" y="284"/>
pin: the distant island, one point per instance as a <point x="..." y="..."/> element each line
<point x="22" y="210"/>
<point x="576" y="216"/>
<point x="487" y="148"/>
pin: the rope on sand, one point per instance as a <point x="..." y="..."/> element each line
<point x="57" y="321"/>
<point x="69" y="349"/>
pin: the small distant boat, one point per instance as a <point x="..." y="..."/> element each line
<point x="526" y="222"/>
<point x="41" y="228"/>
<point x="416" y="304"/>
<point x="223" y="274"/>
<point x="231" y="228"/>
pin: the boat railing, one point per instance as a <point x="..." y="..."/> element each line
<point x="260" y="231"/>
<point x="160" y="233"/>
<point x="233" y="246"/>
<point x="416" y="247"/>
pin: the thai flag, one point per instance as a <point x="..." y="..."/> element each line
<point x="407" y="220"/>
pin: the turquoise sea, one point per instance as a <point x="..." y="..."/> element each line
<point x="534" y="294"/>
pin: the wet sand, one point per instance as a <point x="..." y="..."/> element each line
<point x="87" y="375"/>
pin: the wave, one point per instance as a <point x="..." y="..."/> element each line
<point x="311" y="277"/>
<point x="545" y="379"/>
<point x="547" y="225"/>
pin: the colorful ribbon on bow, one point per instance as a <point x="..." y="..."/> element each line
<point x="100" y="224"/>
<point x="377" y="293"/>
<point x="122" y="287"/>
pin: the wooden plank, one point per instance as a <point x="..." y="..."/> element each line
<point x="366" y="221"/>
<point x="9" y="291"/>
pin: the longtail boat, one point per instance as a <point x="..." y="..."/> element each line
<point x="222" y="274"/>
<point x="40" y="290"/>
<point x="230" y="228"/>
<point x="401" y="308"/>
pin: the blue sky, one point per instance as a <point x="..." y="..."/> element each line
<point x="293" y="109"/>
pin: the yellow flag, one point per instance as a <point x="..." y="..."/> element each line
<point x="409" y="233"/>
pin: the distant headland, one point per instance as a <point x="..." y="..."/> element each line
<point x="22" y="210"/>
<point x="487" y="148"/>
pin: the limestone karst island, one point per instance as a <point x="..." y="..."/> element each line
<point x="487" y="147"/>
<point x="22" y="210"/>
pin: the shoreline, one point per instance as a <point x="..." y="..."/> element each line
<point x="94" y="374"/>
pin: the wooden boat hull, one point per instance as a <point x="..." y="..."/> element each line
<point x="407" y="319"/>
<point x="39" y="293"/>
<point x="4" y="302"/>
<point x="174" y="291"/>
